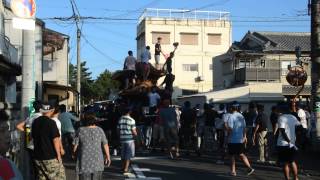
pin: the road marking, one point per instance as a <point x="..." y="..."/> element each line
<point x="139" y="172"/>
<point x="141" y="158"/>
<point x="145" y="169"/>
<point x="147" y="178"/>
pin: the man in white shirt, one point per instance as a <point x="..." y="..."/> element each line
<point x="130" y="64"/>
<point x="304" y="130"/>
<point x="287" y="124"/>
<point x="27" y="124"/>
<point x="145" y="57"/>
<point x="303" y="117"/>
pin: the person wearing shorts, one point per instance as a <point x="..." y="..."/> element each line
<point x="127" y="130"/>
<point x="158" y="132"/>
<point x="169" y="117"/>
<point x="236" y="127"/>
<point x="287" y="124"/>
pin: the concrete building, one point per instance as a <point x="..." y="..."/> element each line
<point x="56" y="69"/>
<point x="255" y="69"/>
<point x="260" y="62"/>
<point x="9" y="65"/>
<point x="261" y="57"/>
<point x="51" y="62"/>
<point x="15" y="36"/>
<point x="201" y="34"/>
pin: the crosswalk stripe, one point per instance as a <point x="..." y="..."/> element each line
<point x="141" y="158"/>
<point x="139" y="173"/>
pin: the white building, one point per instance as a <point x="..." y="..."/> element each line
<point x="201" y="35"/>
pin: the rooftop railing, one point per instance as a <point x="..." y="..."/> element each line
<point x="181" y="14"/>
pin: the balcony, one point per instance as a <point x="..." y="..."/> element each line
<point x="257" y="74"/>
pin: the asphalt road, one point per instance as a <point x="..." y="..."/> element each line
<point x="156" y="166"/>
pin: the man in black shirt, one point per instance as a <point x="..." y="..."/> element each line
<point x="274" y="118"/>
<point x="157" y="52"/>
<point x="46" y="138"/>
<point x="168" y="81"/>
<point x="261" y="130"/>
<point x="188" y="120"/>
<point x="168" y="63"/>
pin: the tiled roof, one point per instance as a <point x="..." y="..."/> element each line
<point x="277" y="41"/>
<point x="285" y="41"/>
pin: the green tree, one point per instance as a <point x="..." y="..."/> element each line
<point x="87" y="89"/>
<point x="104" y="84"/>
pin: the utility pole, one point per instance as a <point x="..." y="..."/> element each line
<point x="28" y="91"/>
<point x="79" y="69"/>
<point x="76" y="16"/>
<point x="315" y="71"/>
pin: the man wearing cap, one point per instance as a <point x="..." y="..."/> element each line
<point x="46" y="138"/>
<point x="236" y="127"/>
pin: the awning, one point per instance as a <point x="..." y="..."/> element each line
<point x="242" y="94"/>
<point x="47" y="85"/>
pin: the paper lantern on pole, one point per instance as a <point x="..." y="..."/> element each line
<point x="297" y="76"/>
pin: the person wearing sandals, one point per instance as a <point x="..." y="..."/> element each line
<point x="88" y="144"/>
<point x="128" y="131"/>
<point x="236" y="127"/>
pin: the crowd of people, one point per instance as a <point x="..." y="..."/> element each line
<point x="224" y="129"/>
<point x="54" y="135"/>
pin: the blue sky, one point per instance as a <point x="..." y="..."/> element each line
<point x="115" y="38"/>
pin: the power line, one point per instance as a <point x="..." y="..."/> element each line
<point x="99" y="51"/>
<point x="137" y="11"/>
<point x="92" y="18"/>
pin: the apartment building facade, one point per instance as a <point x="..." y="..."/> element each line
<point x="201" y="35"/>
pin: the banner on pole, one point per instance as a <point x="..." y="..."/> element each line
<point x="25" y="24"/>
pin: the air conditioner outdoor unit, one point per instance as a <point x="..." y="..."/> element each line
<point x="199" y="78"/>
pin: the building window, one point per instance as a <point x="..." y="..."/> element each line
<point x="189" y="38"/>
<point x="164" y="35"/>
<point x="186" y="92"/>
<point x="210" y="67"/>
<point x="214" y="39"/>
<point x="190" y="67"/>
